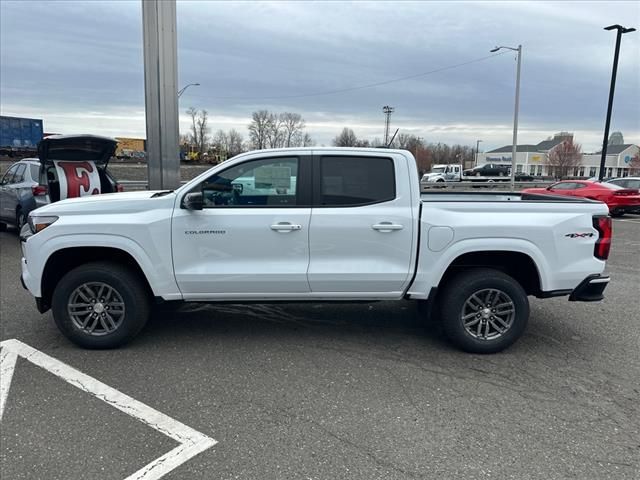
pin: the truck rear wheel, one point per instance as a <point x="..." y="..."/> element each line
<point x="100" y="305"/>
<point x="484" y="310"/>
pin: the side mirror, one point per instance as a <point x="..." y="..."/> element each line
<point x="193" y="201"/>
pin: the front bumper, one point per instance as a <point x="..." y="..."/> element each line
<point x="590" y="289"/>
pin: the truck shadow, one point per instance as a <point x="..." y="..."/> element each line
<point x="373" y="320"/>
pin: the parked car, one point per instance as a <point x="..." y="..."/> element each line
<point x="619" y="200"/>
<point x="313" y="224"/>
<point x="68" y="166"/>
<point x="18" y="188"/>
<point x="627" y="182"/>
<point x="75" y="166"/>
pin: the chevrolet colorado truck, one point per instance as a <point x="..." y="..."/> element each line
<point x="313" y="225"/>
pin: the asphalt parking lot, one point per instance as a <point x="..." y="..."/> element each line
<point x="336" y="391"/>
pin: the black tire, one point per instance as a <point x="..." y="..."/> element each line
<point x="21" y="219"/>
<point x="3" y="226"/>
<point x="130" y="291"/>
<point x="456" y="300"/>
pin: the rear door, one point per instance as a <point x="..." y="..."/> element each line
<point x="7" y="198"/>
<point x="360" y="238"/>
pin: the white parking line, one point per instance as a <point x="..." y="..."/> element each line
<point x="191" y="441"/>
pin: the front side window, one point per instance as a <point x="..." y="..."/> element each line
<point x="352" y="181"/>
<point x="8" y="177"/>
<point x="258" y="183"/>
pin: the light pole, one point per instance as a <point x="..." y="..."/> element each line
<point x="181" y="91"/>
<point x="515" y="114"/>
<point x="418" y="142"/>
<point x="477" y="151"/>
<point x="614" y="72"/>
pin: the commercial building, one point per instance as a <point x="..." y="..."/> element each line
<point x="534" y="159"/>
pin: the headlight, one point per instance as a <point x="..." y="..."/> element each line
<point x="38" y="223"/>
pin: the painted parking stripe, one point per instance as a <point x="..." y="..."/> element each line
<point x="191" y="442"/>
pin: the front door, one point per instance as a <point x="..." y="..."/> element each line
<point x="362" y="229"/>
<point x="252" y="235"/>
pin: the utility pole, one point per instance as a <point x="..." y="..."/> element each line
<point x="605" y="142"/>
<point x="160" y="86"/>
<point x="477" y="151"/>
<point x="387" y="110"/>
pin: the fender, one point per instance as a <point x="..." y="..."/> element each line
<point x="433" y="265"/>
<point x="158" y="270"/>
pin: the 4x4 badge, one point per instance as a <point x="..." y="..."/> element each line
<point x="580" y="235"/>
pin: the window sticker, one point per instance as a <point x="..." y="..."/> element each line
<point x="273" y="177"/>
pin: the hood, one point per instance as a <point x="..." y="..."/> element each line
<point x="77" y="148"/>
<point x="119" y="203"/>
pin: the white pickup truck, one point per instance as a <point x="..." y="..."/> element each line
<point x="319" y="224"/>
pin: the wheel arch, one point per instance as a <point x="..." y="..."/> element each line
<point x="518" y="265"/>
<point x="62" y="261"/>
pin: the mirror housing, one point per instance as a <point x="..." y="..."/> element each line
<point x="193" y="201"/>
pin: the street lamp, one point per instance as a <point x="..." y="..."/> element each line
<point x="515" y="114"/>
<point x="477" y="151"/>
<point x="181" y="91"/>
<point x="605" y="142"/>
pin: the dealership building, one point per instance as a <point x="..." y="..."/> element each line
<point x="533" y="159"/>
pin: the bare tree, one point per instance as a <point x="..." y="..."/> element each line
<point x="307" y="141"/>
<point x="347" y="138"/>
<point x="235" y="142"/>
<point x="203" y="131"/>
<point x="199" y="129"/>
<point x="221" y="141"/>
<point x="564" y="157"/>
<point x="258" y="129"/>
<point x="193" y="113"/>
<point x="275" y="131"/>
<point x="292" y="125"/>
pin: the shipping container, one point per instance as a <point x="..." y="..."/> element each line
<point x="131" y="147"/>
<point x="19" y="134"/>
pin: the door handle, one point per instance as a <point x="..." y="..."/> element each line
<point x="387" y="227"/>
<point x="285" y="227"/>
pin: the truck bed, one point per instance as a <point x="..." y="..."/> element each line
<point x="448" y="196"/>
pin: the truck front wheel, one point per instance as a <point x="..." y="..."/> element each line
<point x="484" y="310"/>
<point x="100" y="305"/>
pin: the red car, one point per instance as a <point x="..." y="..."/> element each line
<point x="619" y="200"/>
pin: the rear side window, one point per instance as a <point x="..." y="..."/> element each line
<point x="351" y="181"/>
<point x="19" y="177"/>
<point x="35" y="172"/>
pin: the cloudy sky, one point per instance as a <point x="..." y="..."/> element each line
<point x="79" y="66"/>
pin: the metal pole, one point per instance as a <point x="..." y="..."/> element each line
<point x="515" y="123"/>
<point x="161" y="101"/>
<point x="477" y="151"/>
<point x="605" y="141"/>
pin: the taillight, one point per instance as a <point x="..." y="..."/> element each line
<point x="119" y="188"/>
<point x="39" y="190"/>
<point x="605" y="230"/>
